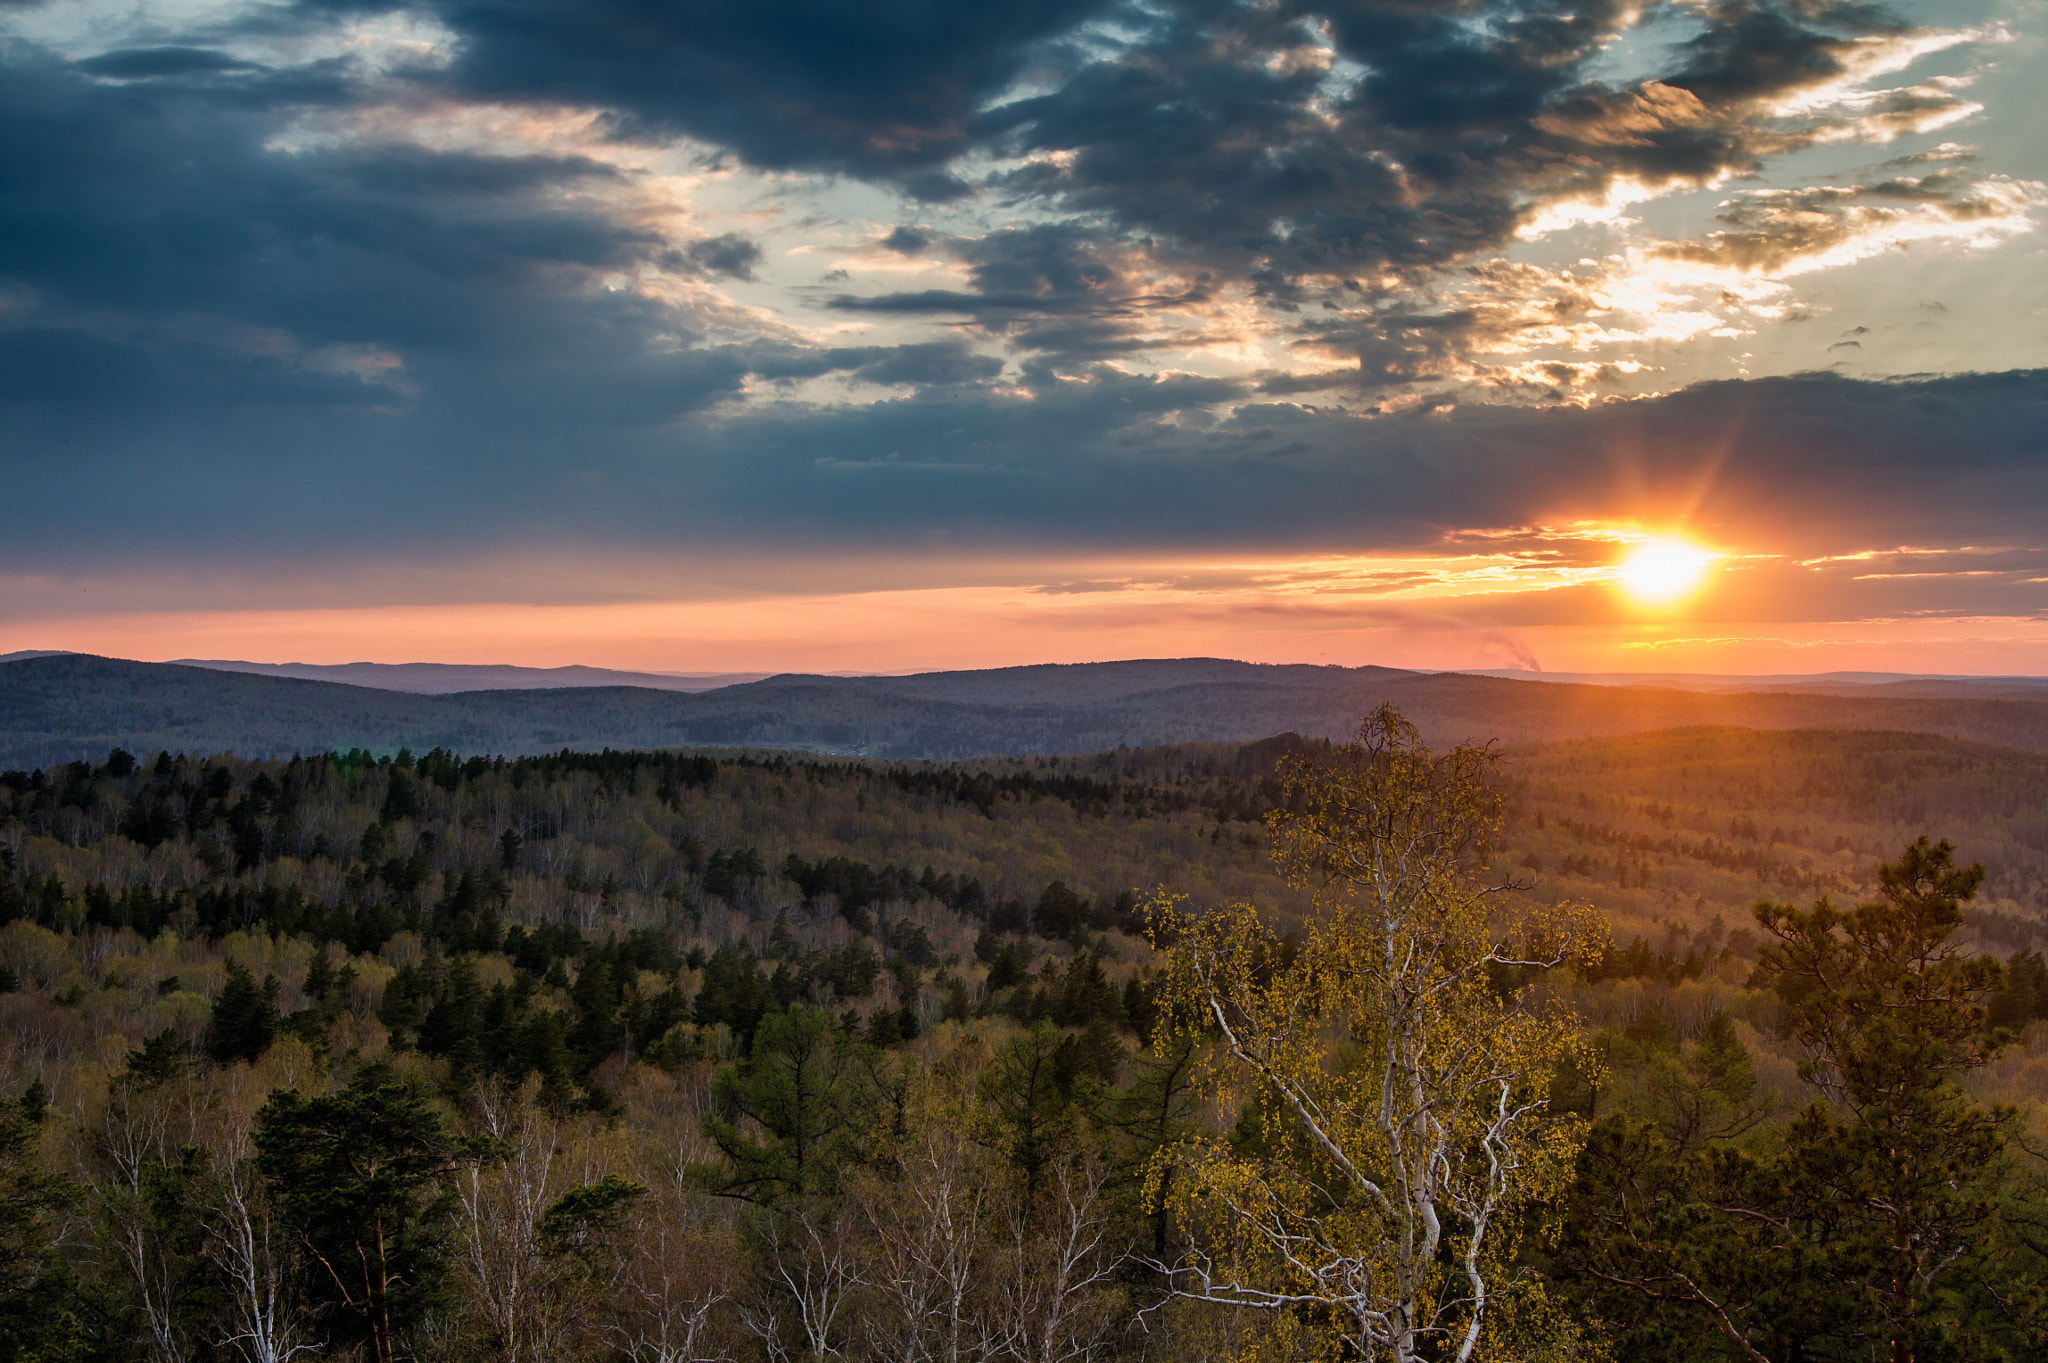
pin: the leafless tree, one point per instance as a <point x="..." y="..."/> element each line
<point x="809" y="1271"/>
<point x="668" y="1291"/>
<point x="132" y="1141"/>
<point x="513" y="1284"/>
<point x="1055" y="1302"/>
<point x="927" y="1254"/>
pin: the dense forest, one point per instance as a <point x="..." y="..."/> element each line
<point x="720" y="1053"/>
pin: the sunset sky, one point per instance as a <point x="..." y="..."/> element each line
<point x="834" y="335"/>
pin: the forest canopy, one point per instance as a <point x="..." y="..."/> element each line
<point x="688" y="1054"/>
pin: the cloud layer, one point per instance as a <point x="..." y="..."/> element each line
<point x="1040" y="281"/>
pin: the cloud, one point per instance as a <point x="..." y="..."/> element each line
<point x="1194" y="177"/>
<point x="889" y="92"/>
<point x="1785" y="232"/>
<point x="145" y="63"/>
<point x="1198" y="277"/>
<point x="730" y="255"/>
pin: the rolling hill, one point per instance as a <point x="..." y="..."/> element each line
<point x="440" y="679"/>
<point x="65" y="707"/>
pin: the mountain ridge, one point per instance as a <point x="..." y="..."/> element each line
<point x="68" y="707"/>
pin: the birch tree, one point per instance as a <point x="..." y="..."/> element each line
<point x="809" y="1271"/>
<point x="1395" y="1132"/>
<point x="501" y="1260"/>
<point x="141" y="1167"/>
<point x="1056" y="1297"/>
<point x="253" y="1260"/>
<point x="927" y="1256"/>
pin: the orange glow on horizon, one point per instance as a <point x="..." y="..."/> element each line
<point x="1598" y="596"/>
<point x="986" y="627"/>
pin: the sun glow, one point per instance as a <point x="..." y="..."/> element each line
<point x="1659" y="572"/>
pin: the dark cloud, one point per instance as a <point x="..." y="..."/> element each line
<point x="1057" y="289"/>
<point x="1049" y="268"/>
<point x="1812" y="464"/>
<point x="885" y="91"/>
<point x="143" y="63"/>
<point x="211" y="271"/>
<point x="730" y="255"/>
<point x="921" y="364"/>
<point x="1345" y="157"/>
<point x="167" y="196"/>
<point x="906" y="241"/>
<point x="1216" y="132"/>
<point x="925" y="365"/>
<point x="1221" y="127"/>
<point x="1750" y="51"/>
<point x="1202" y="145"/>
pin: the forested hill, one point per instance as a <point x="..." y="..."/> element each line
<point x="68" y="707"/>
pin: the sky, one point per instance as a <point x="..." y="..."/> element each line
<point x="859" y="335"/>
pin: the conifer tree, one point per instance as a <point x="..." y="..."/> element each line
<point x="790" y="1117"/>
<point x="359" y="1180"/>
<point x="244" y="1016"/>
<point x="41" y="1313"/>
<point x="1878" y="1215"/>
<point x="319" y="976"/>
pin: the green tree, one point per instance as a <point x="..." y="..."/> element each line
<point x="244" y="1018"/>
<point x="359" y="1178"/>
<point x="789" y="1117"/>
<point x="1877" y="1220"/>
<point x="1400" y="1137"/>
<point x="583" y="1221"/>
<point x="1154" y="1112"/>
<point x="42" y="1315"/>
<point x="401" y="798"/>
<point x="319" y="976"/>
<point x="1693" y="1093"/>
<point x="1038" y="1098"/>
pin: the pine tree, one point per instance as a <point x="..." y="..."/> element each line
<point x="790" y="1117"/>
<point x="359" y="1176"/>
<point x="244" y="1016"/>
<point x="1877" y="1213"/>
<point x="41" y="1316"/>
<point x="319" y="976"/>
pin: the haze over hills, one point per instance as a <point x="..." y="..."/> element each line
<point x="63" y="707"/>
<point x="1059" y="683"/>
<point x="1913" y="686"/>
<point x="440" y="679"/>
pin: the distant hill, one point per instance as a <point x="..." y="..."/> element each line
<point x="1898" y="685"/>
<point x="441" y="679"/>
<point x="63" y="707"/>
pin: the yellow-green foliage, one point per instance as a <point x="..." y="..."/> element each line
<point x="1395" y="1138"/>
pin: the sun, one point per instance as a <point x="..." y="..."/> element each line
<point x="1659" y="572"/>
